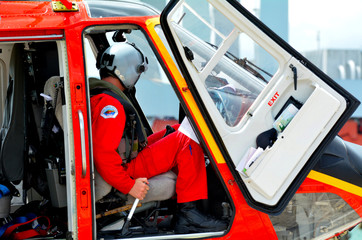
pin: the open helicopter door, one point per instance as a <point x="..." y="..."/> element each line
<point x="271" y="111"/>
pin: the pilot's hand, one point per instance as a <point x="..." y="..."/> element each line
<point x="140" y="188"/>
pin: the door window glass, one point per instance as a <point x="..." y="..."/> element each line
<point x="227" y="59"/>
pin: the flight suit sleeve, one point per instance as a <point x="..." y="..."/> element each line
<point x="108" y="122"/>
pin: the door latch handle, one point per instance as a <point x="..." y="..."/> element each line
<point x="295" y="75"/>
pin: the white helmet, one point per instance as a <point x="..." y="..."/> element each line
<point x="124" y="61"/>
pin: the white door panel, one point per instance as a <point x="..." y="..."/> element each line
<point x="246" y="76"/>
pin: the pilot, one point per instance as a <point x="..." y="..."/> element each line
<point x="116" y="127"/>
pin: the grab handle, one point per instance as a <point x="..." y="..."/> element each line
<point x="82" y="143"/>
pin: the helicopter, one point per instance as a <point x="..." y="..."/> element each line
<point x="266" y="118"/>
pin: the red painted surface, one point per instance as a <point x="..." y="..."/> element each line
<point x="352" y="131"/>
<point x="28" y="19"/>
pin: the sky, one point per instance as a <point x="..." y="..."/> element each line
<point x="338" y="23"/>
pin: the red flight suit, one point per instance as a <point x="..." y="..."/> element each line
<point x="161" y="154"/>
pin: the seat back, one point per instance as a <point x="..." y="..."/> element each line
<point x="12" y="132"/>
<point x="51" y="90"/>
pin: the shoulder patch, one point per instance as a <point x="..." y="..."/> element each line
<point x="109" y="111"/>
